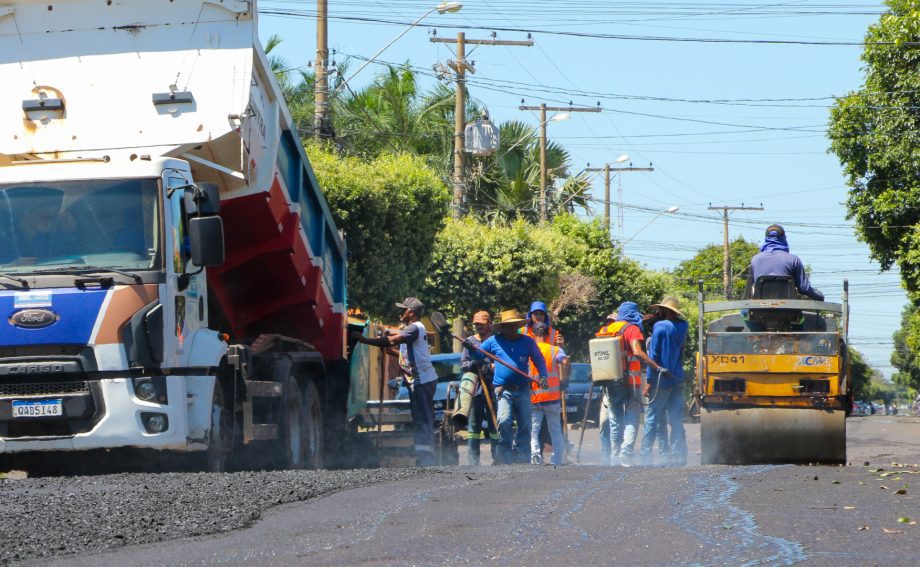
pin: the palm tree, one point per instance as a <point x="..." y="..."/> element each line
<point x="507" y="185"/>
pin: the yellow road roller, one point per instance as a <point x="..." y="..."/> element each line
<point x="772" y="377"/>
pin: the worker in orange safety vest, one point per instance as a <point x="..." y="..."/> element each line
<point x="547" y="402"/>
<point x="623" y="395"/>
<point x="539" y="314"/>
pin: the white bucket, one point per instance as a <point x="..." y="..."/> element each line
<point x="606" y="359"/>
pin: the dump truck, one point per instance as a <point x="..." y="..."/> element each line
<point x="171" y="277"/>
<point x="772" y="377"/>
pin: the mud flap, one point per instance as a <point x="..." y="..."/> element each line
<point x="773" y="436"/>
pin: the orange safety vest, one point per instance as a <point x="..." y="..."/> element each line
<point x="632" y="363"/>
<point x="553" y="391"/>
<point x="552" y="334"/>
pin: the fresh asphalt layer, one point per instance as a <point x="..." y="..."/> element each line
<point x="694" y="515"/>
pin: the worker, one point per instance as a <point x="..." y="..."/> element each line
<point x="623" y="396"/>
<point x="547" y="402"/>
<point x="539" y="314"/>
<point x="472" y="362"/>
<point x="664" y="387"/>
<point x="413" y="348"/>
<point x="774" y="259"/>
<point x="511" y="388"/>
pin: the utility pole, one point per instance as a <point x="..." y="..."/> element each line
<point x="543" y="108"/>
<point x="320" y="68"/>
<point x="607" y="169"/>
<point x="726" y="256"/>
<point x="460" y="68"/>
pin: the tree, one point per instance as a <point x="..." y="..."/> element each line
<point x="506" y="185"/>
<point x="861" y="375"/>
<point x="707" y="265"/>
<point x="390" y="208"/>
<point x="477" y="265"/>
<point x="904" y="354"/>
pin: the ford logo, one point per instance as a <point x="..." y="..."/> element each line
<point x="33" y="318"/>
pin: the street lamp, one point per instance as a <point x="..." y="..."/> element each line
<point x="554" y="118"/>
<point x="442" y="8"/>
<point x="671" y="210"/>
<point x="622" y="158"/>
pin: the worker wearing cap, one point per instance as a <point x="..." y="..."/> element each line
<point x="547" y="402"/>
<point x="774" y="259"/>
<point x="472" y="362"/>
<point x="412" y="340"/>
<point x="513" y="389"/>
<point x="539" y="314"/>
<point x="665" y="379"/>
<point x="623" y="396"/>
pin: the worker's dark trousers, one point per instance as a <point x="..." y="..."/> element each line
<point x="421" y="403"/>
<point x="478" y="413"/>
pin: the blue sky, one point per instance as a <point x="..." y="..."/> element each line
<point x="731" y="117"/>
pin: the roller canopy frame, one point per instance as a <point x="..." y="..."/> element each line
<point x="801" y="304"/>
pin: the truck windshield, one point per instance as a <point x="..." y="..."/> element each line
<point x="109" y="223"/>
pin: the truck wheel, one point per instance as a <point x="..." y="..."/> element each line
<point x="303" y="426"/>
<point x="220" y="434"/>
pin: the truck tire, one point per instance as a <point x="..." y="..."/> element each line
<point x="220" y="434"/>
<point x="302" y="421"/>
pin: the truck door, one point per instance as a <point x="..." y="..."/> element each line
<point x="185" y="310"/>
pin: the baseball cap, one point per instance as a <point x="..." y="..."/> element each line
<point x="482" y="317"/>
<point x="412" y="303"/>
<point x="775" y="230"/>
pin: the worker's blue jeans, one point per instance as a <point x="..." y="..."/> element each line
<point x="553" y="413"/>
<point x="421" y="405"/>
<point x="514" y="407"/>
<point x="624" y="419"/>
<point x="670" y="402"/>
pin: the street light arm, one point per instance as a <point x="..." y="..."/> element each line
<point x="385" y="47"/>
<point x="671" y="210"/>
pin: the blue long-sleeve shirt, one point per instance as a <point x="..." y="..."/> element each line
<point x="516" y="352"/>
<point x="782" y="263"/>
<point x="666" y="347"/>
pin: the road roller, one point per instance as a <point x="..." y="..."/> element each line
<point x="772" y="377"/>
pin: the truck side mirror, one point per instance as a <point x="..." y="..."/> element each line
<point x="206" y="238"/>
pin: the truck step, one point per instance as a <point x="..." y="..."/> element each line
<point x="261" y="432"/>
<point x="256" y="389"/>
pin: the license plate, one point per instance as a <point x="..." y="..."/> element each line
<point x="38" y="408"/>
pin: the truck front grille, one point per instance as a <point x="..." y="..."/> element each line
<point x="44" y="389"/>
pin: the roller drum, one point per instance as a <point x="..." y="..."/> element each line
<point x="747" y="436"/>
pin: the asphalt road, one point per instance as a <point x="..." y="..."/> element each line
<point x="584" y="514"/>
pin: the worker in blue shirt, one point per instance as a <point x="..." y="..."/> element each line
<point x="774" y="259"/>
<point x="664" y="387"/>
<point x="512" y="389"/>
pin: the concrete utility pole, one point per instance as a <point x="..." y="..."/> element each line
<point x="726" y="256"/>
<point x="543" y="108"/>
<point x="320" y="68"/>
<point x="607" y="169"/>
<point x="460" y="68"/>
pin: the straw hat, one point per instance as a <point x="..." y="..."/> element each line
<point x="670" y="303"/>
<point x="511" y="317"/>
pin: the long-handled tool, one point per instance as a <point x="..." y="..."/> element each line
<point x="438" y="319"/>
<point x="487" y="392"/>
<point x="584" y="423"/>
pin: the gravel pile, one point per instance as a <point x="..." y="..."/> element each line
<point x="45" y="517"/>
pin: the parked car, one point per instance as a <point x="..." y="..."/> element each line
<point x="447" y="367"/>
<point x="576" y="394"/>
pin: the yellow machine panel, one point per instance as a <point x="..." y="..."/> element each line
<point x="773" y="363"/>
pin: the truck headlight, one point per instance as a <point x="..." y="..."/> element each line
<point x="151" y="389"/>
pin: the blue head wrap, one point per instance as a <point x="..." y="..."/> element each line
<point x="629" y="312"/>
<point x="775" y="239"/>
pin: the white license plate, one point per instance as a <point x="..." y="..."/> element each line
<point x="38" y="408"/>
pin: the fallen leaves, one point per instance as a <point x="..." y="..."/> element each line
<point x="887" y="531"/>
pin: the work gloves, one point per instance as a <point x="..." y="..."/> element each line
<point x="544" y="383"/>
<point x="469" y="345"/>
